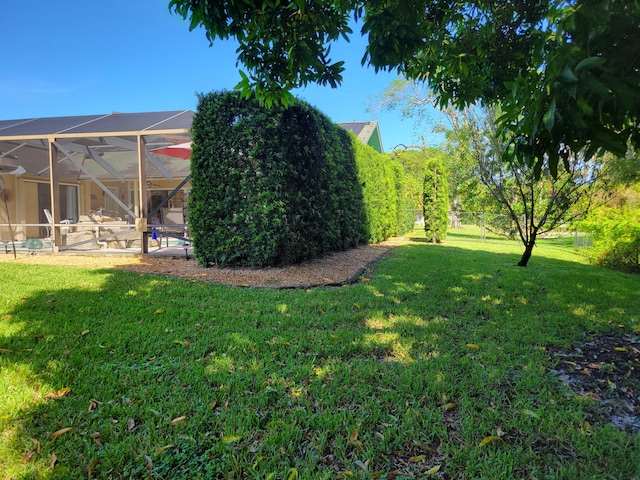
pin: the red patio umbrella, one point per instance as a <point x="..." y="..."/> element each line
<point x="180" y="150"/>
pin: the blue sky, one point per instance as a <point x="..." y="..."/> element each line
<point x="72" y="57"/>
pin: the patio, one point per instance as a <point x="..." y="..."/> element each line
<point x="94" y="183"/>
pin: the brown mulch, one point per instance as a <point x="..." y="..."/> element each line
<point x="335" y="269"/>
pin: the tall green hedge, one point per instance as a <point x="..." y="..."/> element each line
<point x="270" y="186"/>
<point x="383" y="187"/>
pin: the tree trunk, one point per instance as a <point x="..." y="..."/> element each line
<point x="528" y="250"/>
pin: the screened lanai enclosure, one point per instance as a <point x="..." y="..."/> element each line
<point x="100" y="183"/>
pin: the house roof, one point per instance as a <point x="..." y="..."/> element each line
<point x="87" y="125"/>
<point x="367" y="132"/>
<point x="106" y="146"/>
<point x="95" y="146"/>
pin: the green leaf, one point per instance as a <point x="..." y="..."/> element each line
<point x="590" y="63"/>
<point x="529" y="413"/>
<point x="550" y="115"/>
<point x="568" y="75"/>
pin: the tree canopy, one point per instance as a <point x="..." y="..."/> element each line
<point x="565" y="72"/>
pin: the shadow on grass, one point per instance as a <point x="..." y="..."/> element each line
<point x="439" y="349"/>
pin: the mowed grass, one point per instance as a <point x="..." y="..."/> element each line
<point x="435" y="366"/>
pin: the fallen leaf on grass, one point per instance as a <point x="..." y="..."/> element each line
<point x="162" y="449"/>
<point x="417" y="458"/>
<point x="353" y="439"/>
<point x="184" y="343"/>
<point x="131" y="424"/>
<point x="53" y="459"/>
<point x="56" y="434"/>
<point x="37" y="445"/>
<point x="433" y="470"/>
<point x="92" y="467"/>
<point x="475" y="346"/>
<point x="231" y="438"/>
<point x="178" y="419"/>
<point x="60" y="393"/>
<point x="149" y="462"/>
<point x="593" y="395"/>
<point x="159" y="311"/>
<point x="96" y="438"/>
<point x="449" y="406"/>
<point x="93" y="404"/>
<point x="27" y="456"/>
<point x="490" y="439"/>
<point x="530" y="413"/>
<point x="84" y="332"/>
<point x="364" y="466"/>
<point x="620" y="349"/>
<point x="5" y="350"/>
<point x="293" y="474"/>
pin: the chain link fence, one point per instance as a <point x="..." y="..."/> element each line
<point x="491" y="227"/>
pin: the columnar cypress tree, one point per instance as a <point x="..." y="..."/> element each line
<point x="436" y="200"/>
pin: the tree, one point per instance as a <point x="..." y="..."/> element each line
<point x="436" y="200"/>
<point x="535" y="202"/>
<point x="565" y="72"/>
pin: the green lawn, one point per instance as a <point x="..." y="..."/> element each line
<point x="434" y="367"/>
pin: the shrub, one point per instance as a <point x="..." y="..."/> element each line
<point x="270" y="186"/>
<point x="436" y="200"/>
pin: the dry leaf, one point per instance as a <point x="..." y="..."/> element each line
<point x="178" y="419"/>
<point x="37" y="445"/>
<point x="93" y="404"/>
<point x="475" y="346"/>
<point x="293" y="474"/>
<point x="433" y="470"/>
<point x="162" y="449"/>
<point x="131" y="424"/>
<point x="159" y="311"/>
<point x="417" y="458"/>
<point x="92" y="467"/>
<point x="490" y="439"/>
<point x="499" y="432"/>
<point x="84" y="332"/>
<point x="96" y="438"/>
<point x="363" y="466"/>
<point x="56" y="434"/>
<point x="231" y="438"/>
<point x="620" y="349"/>
<point x="353" y="439"/>
<point x="27" y="456"/>
<point x="593" y="395"/>
<point x="147" y="459"/>
<point x="53" y="459"/>
<point x="5" y="350"/>
<point x="449" y="406"/>
<point x="60" y="393"/>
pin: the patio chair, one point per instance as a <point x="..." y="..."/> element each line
<point x="47" y="214"/>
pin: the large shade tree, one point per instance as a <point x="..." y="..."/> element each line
<point x="565" y="72"/>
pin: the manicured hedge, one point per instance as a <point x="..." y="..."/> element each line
<point x="270" y="186"/>
<point x="383" y="187"/>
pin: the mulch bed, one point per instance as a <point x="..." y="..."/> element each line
<point x="606" y="369"/>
